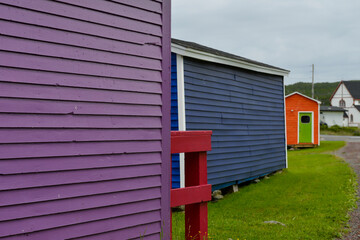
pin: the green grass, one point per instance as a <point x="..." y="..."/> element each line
<point x="312" y="197"/>
<point x="340" y="131"/>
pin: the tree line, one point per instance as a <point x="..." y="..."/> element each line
<point x="322" y="91"/>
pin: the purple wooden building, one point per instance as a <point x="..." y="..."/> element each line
<point x="84" y="133"/>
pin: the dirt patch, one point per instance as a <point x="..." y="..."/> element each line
<point x="351" y="154"/>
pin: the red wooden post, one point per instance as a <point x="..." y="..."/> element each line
<point x="196" y="192"/>
<point x="196" y="224"/>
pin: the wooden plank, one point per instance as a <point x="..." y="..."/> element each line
<point x="226" y="138"/>
<point x="67" y="219"/>
<point x="245" y="148"/>
<point x="78" y="204"/>
<point x="31" y="135"/>
<point x="149" y="232"/>
<point x="93" y="16"/>
<point x="71" y="121"/>
<point x="11" y="105"/>
<point x="232" y="73"/>
<point x="230" y="109"/>
<point x="245" y="176"/>
<point x="15" y="90"/>
<point x="257" y="163"/>
<point x="16" y="75"/>
<point x="231" y="97"/>
<point x="190" y="141"/>
<point x="40" y="33"/>
<point x="249" y="127"/>
<point x="214" y="162"/>
<point x="37" y="150"/>
<point x="50" y="193"/>
<point x="196" y="215"/>
<point x="230" y="104"/>
<point x="232" y="121"/>
<point x="9" y="182"/>
<point x="96" y="227"/>
<point x="119" y="10"/>
<point x="19" y="45"/>
<point x="152" y="6"/>
<point x="226" y="82"/>
<point x="72" y="25"/>
<point x="242" y="153"/>
<point x="55" y="164"/>
<point x="238" y="172"/>
<point x="247" y="143"/>
<point x="234" y="92"/>
<point x="18" y="60"/>
<point x="190" y="195"/>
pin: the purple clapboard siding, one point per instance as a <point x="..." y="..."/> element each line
<point x="26" y="135"/>
<point x="69" y="24"/>
<point x="12" y="59"/>
<point x="77" y="39"/>
<point x="84" y="119"/>
<point x="76" y="53"/>
<point x="75" y="94"/>
<point x="105" y="227"/>
<point x="70" y="80"/>
<point x="60" y="192"/>
<point x="11" y="105"/>
<point x="29" y="165"/>
<point x="84" y="14"/>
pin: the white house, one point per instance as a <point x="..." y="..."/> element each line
<point x="347" y="96"/>
<point x="334" y="116"/>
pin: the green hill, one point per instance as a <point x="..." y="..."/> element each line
<point x="323" y="91"/>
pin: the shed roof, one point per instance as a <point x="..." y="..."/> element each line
<point x="291" y="94"/>
<point x="332" y="109"/>
<point x="195" y="50"/>
<point x="353" y="87"/>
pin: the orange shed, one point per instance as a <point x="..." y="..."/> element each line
<point x="302" y="120"/>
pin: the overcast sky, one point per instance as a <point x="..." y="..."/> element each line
<point x="291" y="34"/>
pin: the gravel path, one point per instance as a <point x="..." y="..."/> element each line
<point x="351" y="154"/>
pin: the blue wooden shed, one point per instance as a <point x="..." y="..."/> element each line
<point x="240" y="100"/>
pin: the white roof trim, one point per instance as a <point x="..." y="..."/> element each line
<point x="303" y="96"/>
<point x="189" y="52"/>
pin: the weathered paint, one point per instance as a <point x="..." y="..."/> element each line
<point x="295" y="104"/>
<point x="84" y="119"/>
<point x="245" y="111"/>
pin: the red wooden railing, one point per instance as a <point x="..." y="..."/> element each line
<point x="196" y="192"/>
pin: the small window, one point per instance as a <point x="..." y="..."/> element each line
<point x="351" y="118"/>
<point x="342" y="103"/>
<point x="305" y="119"/>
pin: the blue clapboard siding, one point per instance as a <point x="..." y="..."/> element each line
<point x="245" y="111"/>
<point x="174" y="122"/>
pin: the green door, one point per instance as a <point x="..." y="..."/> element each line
<point x="305" y="127"/>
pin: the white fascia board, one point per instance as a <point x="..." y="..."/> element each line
<point x="286" y="153"/>
<point x="303" y="96"/>
<point x="189" y="52"/>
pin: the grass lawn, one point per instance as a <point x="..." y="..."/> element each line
<point x="340" y="131"/>
<point x="312" y="198"/>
